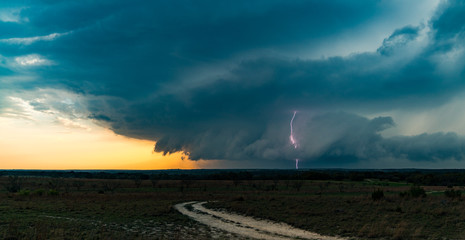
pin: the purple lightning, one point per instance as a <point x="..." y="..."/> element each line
<point x="292" y="139"/>
<point x="293" y="142"/>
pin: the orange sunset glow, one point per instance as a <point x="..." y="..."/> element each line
<point x="26" y="144"/>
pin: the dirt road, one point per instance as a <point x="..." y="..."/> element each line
<point x="245" y="226"/>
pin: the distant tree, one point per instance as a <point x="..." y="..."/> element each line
<point x="236" y="182"/>
<point x="417" y="191"/>
<point x="144" y="177"/>
<point x="275" y="184"/>
<point x="298" y="184"/>
<point x="78" y="185"/>
<point x="186" y="182"/>
<point x="67" y="186"/>
<point x="110" y="186"/>
<point x="414" y="191"/>
<point x="138" y="181"/>
<point x="55" y="183"/>
<point x="453" y="193"/>
<point x="378" y="194"/>
<point x="287" y="183"/>
<point x="154" y="181"/>
<point x="14" y="184"/>
<point x="323" y="186"/>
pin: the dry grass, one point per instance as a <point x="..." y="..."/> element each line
<point x="354" y="213"/>
<point x="125" y="212"/>
<point x="95" y="211"/>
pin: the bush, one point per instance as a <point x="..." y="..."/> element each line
<point x="453" y="193"/>
<point x="377" y="195"/>
<point x="39" y="192"/>
<point x="138" y="181"/>
<point x="55" y="183"/>
<point x="417" y="191"/>
<point x="78" y="185"/>
<point x="14" y="184"/>
<point x="403" y="194"/>
<point x="298" y="185"/>
<point x="24" y="192"/>
<point x="110" y="186"/>
<point x="154" y="181"/>
<point x="53" y="192"/>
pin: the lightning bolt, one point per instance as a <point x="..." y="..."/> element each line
<point x="292" y="139"/>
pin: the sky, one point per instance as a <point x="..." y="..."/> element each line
<point x="118" y="84"/>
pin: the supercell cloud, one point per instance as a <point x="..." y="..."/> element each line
<point x="220" y="80"/>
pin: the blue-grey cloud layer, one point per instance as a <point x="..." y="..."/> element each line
<point x="149" y="63"/>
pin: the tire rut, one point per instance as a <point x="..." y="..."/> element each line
<point x="246" y="226"/>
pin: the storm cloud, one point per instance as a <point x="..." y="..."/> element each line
<point x="220" y="80"/>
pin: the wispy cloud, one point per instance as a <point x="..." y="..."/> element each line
<point x="11" y="15"/>
<point x="72" y="123"/>
<point x="31" y="40"/>
<point x="32" y="60"/>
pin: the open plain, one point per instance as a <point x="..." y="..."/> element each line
<point x="90" y="208"/>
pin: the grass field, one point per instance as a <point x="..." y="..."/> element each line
<point x="63" y="208"/>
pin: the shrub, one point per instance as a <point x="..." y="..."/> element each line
<point x="417" y="191"/>
<point x="55" y="183"/>
<point x="453" y="193"/>
<point x="377" y="195"/>
<point x="154" y="181"/>
<point x="240" y="199"/>
<point x="403" y="194"/>
<point x="137" y="181"/>
<point x="39" y="192"/>
<point x="14" y="184"/>
<point x="24" y="192"/>
<point x="53" y="192"/>
<point x="298" y="185"/>
<point x="110" y="186"/>
<point x="78" y="185"/>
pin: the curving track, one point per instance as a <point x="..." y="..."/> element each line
<point x="245" y="226"/>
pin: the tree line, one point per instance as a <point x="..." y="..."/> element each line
<point x="418" y="177"/>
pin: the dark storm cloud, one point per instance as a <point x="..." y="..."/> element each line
<point x="100" y="117"/>
<point x="449" y="21"/>
<point x="342" y="138"/>
<point x="141" y="59"/>
<point x="400" y="37"/>
<point x="129" y="49"/>
<point x="429" y="147"/>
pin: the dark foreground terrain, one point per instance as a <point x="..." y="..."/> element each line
<point x="139" y="205"/>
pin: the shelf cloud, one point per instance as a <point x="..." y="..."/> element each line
<point x="220" y="80"/>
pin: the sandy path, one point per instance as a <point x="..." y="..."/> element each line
<point x="246" y="226"/>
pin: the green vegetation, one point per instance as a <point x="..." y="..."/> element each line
<point x="377" y="195"/>
<point x="141" y="207"/>
<point x="14" y="184"/>
<point x="414" y="191"/>
<point x="453" y="193"/>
